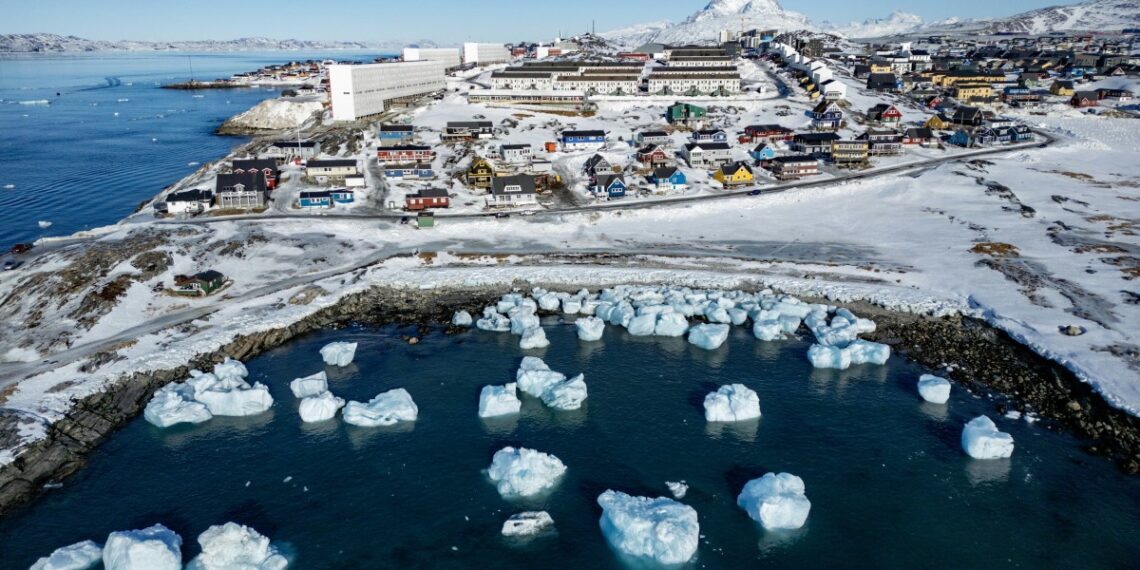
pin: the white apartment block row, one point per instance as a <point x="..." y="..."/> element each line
<point x="485" y="54"/>
<point x="362" y="90"/>
<point x="450" y="57"/>
<point x="699" y="83"/>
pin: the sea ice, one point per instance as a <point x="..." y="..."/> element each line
<point x="523" y="318"/>
<point x="671" y="324"/>
<point x="384" y="410"/>
<point x="934" y="389"/>
<point x="982" y="440"/>
<point x="493" y="321"/>
<point x="499" y="401"/>
<point x="320" y="407"/>
<point x="528" y="523"/>
<point x="571" y="305"/>
<point x="590" y="328"/>
<point x="549" y="302"/>
<point x="338" y="353"/>
<point x="708" y="337"/>
<point x="534" y="376"/>
<point x="642" y="325"/>
<point x="522" y="472"/>
<point x="532" y="338"/>
<point x="867" y="352"/>
<point x="236" y="547"/>
<point x="310" y="385"/>
<point x="153" y="548"/>
<point x="732" y="403"/>
<point x="566" y="395"/>
<point x="678" y="488"/>
<point x="660" y="530"/>
<point x="767" y="330"/>
<point x="174" y="404"/>
<point x="78" y="556"/>
<point x="461" y="319"/>
<point x="858" y="352"/>
<point x="776" y="501"/>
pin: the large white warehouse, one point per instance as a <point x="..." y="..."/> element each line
<point x="485" y="54"/>
<point x="449" y="56"/>
<point x="363" y="90"/>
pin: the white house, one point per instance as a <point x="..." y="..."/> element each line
<point x="185" y="202"/>
<point x="707" y="155"/>
<point x="508" y="191"/>
<point x="327" y="170"/>
<point x="358" y="91"/>
<point x="518" y="154"/>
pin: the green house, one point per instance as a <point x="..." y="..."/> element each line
<point x="425" y="220"/>
<point x="684" y="112"/>
<point x="199" y="285"/>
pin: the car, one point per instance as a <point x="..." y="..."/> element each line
<point x="528" y="212"/>
<point x="403" y="219"/>
<point x="502" y="215"/>
<point x="12" y="264"/>
<point x="20" y="248"/>
<point x="755" y="192"/>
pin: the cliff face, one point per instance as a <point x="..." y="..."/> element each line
<point x="272" y="115"/>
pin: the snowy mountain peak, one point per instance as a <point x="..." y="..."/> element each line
<point x="898" y="22"/>
<point x="719" y="8"/>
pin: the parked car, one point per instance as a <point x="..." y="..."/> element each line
<point x="403" y="219"/>
<point x="755" y="192"/>
<point x="12" y="264"/>
<point x="20" y="248"/>
<point x="502" y="215"/>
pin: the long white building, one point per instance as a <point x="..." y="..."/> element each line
<point x="449" y="56"/>
<point x="362" y="90"/>
<point x="485" y="54"/>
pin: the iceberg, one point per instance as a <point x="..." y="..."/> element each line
<point x="567" y="394"/>
<point x="867" y="352"/>
<point x="522" y="318"/>
<point x="385" y="409"/>
<point x="320" y="407"/>
<point x="338" y="353"/>
<point x="776" y="501"/>
<point x="717" y="314"/>
<point x="231" y="370"/>
<point x="522" y="472"/>
<point x="461" y="319"/>
<point x="153" y="548"/>
<point x="243" y="400"/>
<point x="737" y="316"/>
<point x="590" y="328"/>
<point x="789" y="323"/>
<point x="175" y="404"/>
<point x="534" y="376"/>
<point x="768" y="330"/>
<point x="78" y="556"/>
<point x="571" y="305"/>
<point x="934" y="389"/>
<point x="642" y="325"/>
<point x="822" y="356"/>
<point x="497" y="401"/>
<point x="659" y="530"/>
<point x="549" y="301"/>
<point x="532" y="338"/>
<point x="233" y="546"/>
<point x="528" y="523"/>
<point x="708" y="337"/>
<point x="732" y="403"/>
<point x="982" y="440"/>
<point x="858" y="352"/>
<point x="310" y="385"/>
<point x="493" y="321"/>
<point x="621" y="314"/>
<point x="678" y="488"/>
<point x="671" y="324"/>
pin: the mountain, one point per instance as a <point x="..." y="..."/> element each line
<point x="1092" y="15"/>
<point x="897" y="23"/>
<point x="637" y="34"/>
<point x="56" y="43"/>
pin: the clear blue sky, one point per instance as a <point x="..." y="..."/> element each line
<point x="446" y="21"/>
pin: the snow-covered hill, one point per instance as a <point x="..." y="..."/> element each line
<point x="897" y="23"/>
<point x="42" y="42"/>
<point x="1092" y="15"/>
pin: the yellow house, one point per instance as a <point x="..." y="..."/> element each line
<point x="1062" y="88"/>
<point x="881" y="68"/>
<point x="938" y="123"/>
<point x="480" y="173"/>
<point x="734" y="174"/>
<point x="971" y="91"/>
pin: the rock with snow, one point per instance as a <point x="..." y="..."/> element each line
<point x="671" y="324"/>
<point x="776" y="501"/>
<point x="497" y="401"/>
<point x="567" y="394"/>
<point x="388" y="408"/>
<point x="732" y="403"/>
<point x="708" y="337"/>
<point x="533" y="338"/>
<point x="528" y="523"/>
<point x="534" y="376"/>
<point x="678" y="488"/>
<point x="338" y="353"/>
<point x="590" y="328"/>
<point x="934" y="389"/>
<point x="78" y="556"/>
<point x="461" y="319"/>
<point x="310" y="385"/>
<point x="174" y="404"/>
<point x="233" y="546"/>
<point x="522" y="472"/>
<point x="982" y="440"/>
<point x="321" y="407"/>
<point x="660" y="531"/>
<point x="642" y="325"/>
<point x="152" y="548"/>
<point x="273" y="115"/>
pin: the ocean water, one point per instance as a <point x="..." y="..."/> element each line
<point x="87" y="137"/>
<point x="889" y="484"/>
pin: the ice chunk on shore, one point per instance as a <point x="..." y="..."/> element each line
<point x="230" y="370"/>
<point x="858" y="352"/>
<point x="461" y="319"/>
<point x="982" y="440"/>
<point x="934" y="389"/>
<point x="708" y="337"/>
<point x="320" y="407"/>
<point x="534" y="376"/>
<point x="732" y="403"/>
<point x="338" y="353"/>
<point x="642" y="325"/>
<point x="499" y="401"/>
<point x="522" y="472"/>
<point x="174" y="404"/>
<point x="385" y="409"/>
<point x="310" y="385"/>
<point x="660" y="530"/>
<point x="678" y="488"/>
<point x="571" y="305"/>
<point x="522" y="319"/>
<point x="224" y="399"/>
<point x="671" y="324"/>
<point x="776" y="501"/>
<point x="867" y="352"/>
<point x="233" y="546"/>
<point x="78" y="556"/>
<point x="532" y="338"/>
<point x="590" y="328"/>
<point x="528" y="523"/>
<point x="493" y="321"/>
<point x="566" y="395"/>
<point x="621" y="314"/>
<point x="152" y="548"/>
<point x="768" y="330"/>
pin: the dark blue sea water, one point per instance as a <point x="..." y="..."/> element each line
<point x="111" y="138"/>
<point x="889" y="484"/>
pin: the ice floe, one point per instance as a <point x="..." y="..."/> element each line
<point x="338" y="353"/>
<point x="236" y="547"/>
<point x="567" y="394"/>
<point x="708" y="337"/>
<point x="78" y="556"/>
<point x="522" y="472"/>
<point x="152" y="548"/>
<point x="175" y="404"/>
<point x="497" y="401"/>
<point x="533" y="337"/>
<point x="221" y="393"/>
<point x="320" y="407"/>
<point x="461" y="319"/>
<point x="858" y="352"/>
<point x="776" y="501"/>
<point x="657" y="530"/>
<point x="310" y="385"/>
<point x="590" y="328"/>
<point x="678" y="488"/>
<point x="934" y="389"/>
<point x="528" y="523"/>
<point x="386" y="409"/>
<point x="534" y="376"/>
<point x="981" y="439"/>
<point x="732" y="403"/>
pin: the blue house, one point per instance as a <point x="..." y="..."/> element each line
<point x="826" y="116"/>
<point x="409" y="171"/>
<point x="343" y="196"/>
<point x="317" y="199"/>
<point x="763" y="152"/>
<point x="709" y="135"/>
<point x="961" y="138"/>
<point x="612" y="185"/>
<point x="668" y="178"/>
<point x="395" y="135"/>
<point x="582" y="140"/>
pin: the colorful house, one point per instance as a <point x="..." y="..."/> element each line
<point x="596" y="165"/>
<point x="938" y="123"/>
<point x="582" y="140"/>
<point x="395" y="135"/>
<point x="766" y="133"/>
<point x="200" y="284"/>
<point x="405" y="154"/>
<point x="668" y="178"/>
<point x="480" y="173"/>
<point x="409" y="171"/>
<point x="826" y="116"/>
<point x="1063" y="88"/>
<point x="315" y="199"/>
<point x="709" y="136"/>
<point x="684" y="113"/>
<point x="1083" y="99"/>
<point x="426" y="198"/>
<point x="652" y="155"/>
<point x="734" y="174"/>
<point x="763" y="152"/>
<point x="961" y="138"/>
<point x="266" y="166"/>
<point x="610" y="185"/>
<point x="885" y="113"/>
<point x="342" y="195"/>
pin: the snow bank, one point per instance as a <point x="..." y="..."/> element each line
<point x="566" y="395"/>
<point x="338" y="353"/>
<point x="708" y="337"/>
<point x="78" y="556"/>
<point x="732" y="403"/>
<point x="660" y="530"/>
<point x="534" y="377"/>
<point x="499" y="401"/>
<point x="385" y="409"/>
<point x="521" y="472"/>
<point x="590" y="328"/>
<point x="934" y="389"/>
<point x="982" y="440"/>
<point x="776" y="501"/>
<point x="528" y="523"/>
<point x="310" y="385"/>
<point x="461" y="319"/>
<point x="232" y="546"/>
<point x="153" y="548"/>
<point x="533" y="337"/>
<point x="320" y="407"/>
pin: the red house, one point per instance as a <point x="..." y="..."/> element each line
<point x="766" y="133"/>
<point x="885" y="113"/>
<point x="405" y="153"/>
<point x="1082" y="99"/>
<point x="266" y="166"/>
<point x="652" y="155"/>
<point x="427" y="198"/>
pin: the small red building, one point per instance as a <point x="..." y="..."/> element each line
<point x="885" y="113"/>
<point x="1082" y="99"/>
<point x="652" y="155"/>
<point x="406" y="153"/>
<point x="427" y="198"/>
<point x="766" y="133"/>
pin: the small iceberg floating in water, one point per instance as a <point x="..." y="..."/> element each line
<point x="43" y="224"/>
<point x="319" y="408"/>
<point x="522" y="472"/>
<point x="9" y="186"/>
<point x="934" y="389"/>
<point x="230" y="546"/>
<point x="338" y="353"/>
<point x="708" y="337"/>
<point x="123" y="100"/>
<point x="528" y="523"/>
<point x="461" y="319"/>
<point x="78" y="556"/>
<point x="495" y="401"/>
<point x="776" y="501"/>
<point x="732" y="403"/>
<point x="152" y="548"/>
<point x="386" y="409"/>
<point x="659" y="530"/>
<point x="981" y="439"/>
<point x="35" y="102"/>
<point x="205" y="395"/>
<point x="678" y="488"/>
<point x="193" y="163"/>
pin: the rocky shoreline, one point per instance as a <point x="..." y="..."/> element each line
<point x="984" y="359"/>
